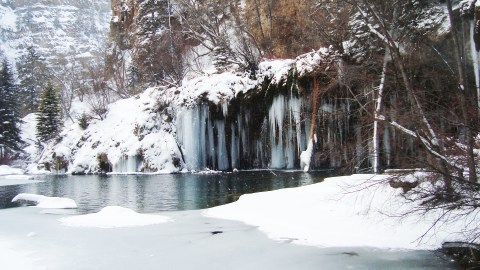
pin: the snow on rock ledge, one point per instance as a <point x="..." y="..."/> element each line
<point x="114" y="217"/>
<point x="357" y="210"/>
<point x="46" y="202"/>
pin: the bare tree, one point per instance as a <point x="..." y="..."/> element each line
<point x="66" y="73"/>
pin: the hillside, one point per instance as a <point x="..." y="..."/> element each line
<point x="228" y="85"/>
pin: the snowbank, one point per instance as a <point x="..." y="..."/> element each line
<point x="357" y="210"/>
<point x="114" y="217"/>
<point x="7" y="170"/>
<point x="46" y="202"/>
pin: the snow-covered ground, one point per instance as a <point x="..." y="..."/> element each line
<point x="341" y="223"/>
<point x="10" y="176"/>
<point x="357" y="210"/>
<point x="7" y="170"/>
<point x="34" y="239"/>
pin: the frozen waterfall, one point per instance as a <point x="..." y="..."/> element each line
<point x="221" y="141"/>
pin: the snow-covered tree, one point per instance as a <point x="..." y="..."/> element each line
<point x="152" y="17"/>
<point x="10" y="139"/>
<point x="49" y="120"/>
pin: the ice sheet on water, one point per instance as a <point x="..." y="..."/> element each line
<point x="114" y="217"/>
<point x="187" y="243"/>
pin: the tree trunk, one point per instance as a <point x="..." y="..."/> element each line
<point x="378" y="108"/>
<point x="468" y="124"/>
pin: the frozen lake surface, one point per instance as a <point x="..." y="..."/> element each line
<point x="33" y="238"/>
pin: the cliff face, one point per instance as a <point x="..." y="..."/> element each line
<point x="231" y="118"/>
<point x="54" y="28"/>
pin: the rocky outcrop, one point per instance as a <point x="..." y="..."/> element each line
<point x="55" y="28"/>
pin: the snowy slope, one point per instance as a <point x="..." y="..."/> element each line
<point x="133" y="137"/>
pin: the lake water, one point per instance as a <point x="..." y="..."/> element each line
<point x="154" y="193"/>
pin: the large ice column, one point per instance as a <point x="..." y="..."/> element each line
<point x="276" y="116"/>
<point x="191" y="130"/>
<point x="285" y="131"/>
<point x="203" y="140"/>
<point x="221" y="147"/>
<point x="294" y="133"/>
<point x="234" y="146"/>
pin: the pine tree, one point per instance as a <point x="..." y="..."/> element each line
<point x="49" y="114"/>
<point x="9" y="116"/>
<point x="31" y="73"/>
<point x="151" y="16"/>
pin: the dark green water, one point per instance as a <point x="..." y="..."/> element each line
<point x="153" y="193"/>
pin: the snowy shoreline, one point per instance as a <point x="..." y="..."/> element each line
<point x="360" y="210"/>
<point x="346" y="211"/>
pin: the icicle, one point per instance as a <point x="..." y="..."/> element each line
<point x="276" y="116"/>
<point x="386" y="145"/>
<point x="222" y="157"/>
<point x="295" y="109"/>
<point x="191" y="129"/>
<point x="126" y="164"/>
<point x="289" y="145"/>
<point x="225" y="108"/>
<point x="234" y="148"/>
<point x="211" y="144"/>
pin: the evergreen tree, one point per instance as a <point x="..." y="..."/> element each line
<point x="31" y="72"/>
<point x="151" y="16"/>
<point x="49" y="114"/>
<point x="9" y="116"/>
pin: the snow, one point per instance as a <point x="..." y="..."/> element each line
<point x="28" y="134"/>
<point x="143" y="133"/>
<point x="306" y="157"/>
<point x="53" y="28"/>
<point x="7" y="18"/>
<point x="311" y="62"/>
<point x="187" y="243"/>
<point x="349" y="211"/>
<point x="46" y="202"/>
<point x="7" y="170"/>
<point x="114" y="217"/>
<point x="131" y="128"/>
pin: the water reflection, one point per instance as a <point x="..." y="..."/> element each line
<point x="153" y="193"/>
